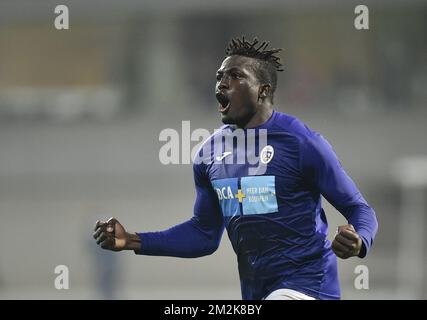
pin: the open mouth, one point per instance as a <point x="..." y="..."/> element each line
<point x="224" y="102"/>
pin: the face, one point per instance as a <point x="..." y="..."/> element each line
<point x="237" y="90"/>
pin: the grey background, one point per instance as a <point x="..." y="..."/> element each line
<point x="81" y="111"/>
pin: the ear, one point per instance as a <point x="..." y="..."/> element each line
<point x="264" y="91"/>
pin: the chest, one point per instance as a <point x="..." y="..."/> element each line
<point x="269" y="175"/>
<point x="276" y="155"/>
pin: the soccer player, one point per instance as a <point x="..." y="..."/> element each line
<point x="274" y="217"/>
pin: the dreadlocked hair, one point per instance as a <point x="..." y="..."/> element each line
<point x="267" y="62"/>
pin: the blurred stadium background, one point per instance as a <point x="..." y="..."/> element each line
<point x="81" y="111"/>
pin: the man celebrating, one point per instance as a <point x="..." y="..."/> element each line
<point x="274" y="218"/>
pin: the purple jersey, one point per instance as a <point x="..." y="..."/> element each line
<point x="274" y="217"/>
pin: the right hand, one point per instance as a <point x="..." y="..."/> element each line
<point x="111" y="235"/>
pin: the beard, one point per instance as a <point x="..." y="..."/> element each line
<point x="226" y="119"/>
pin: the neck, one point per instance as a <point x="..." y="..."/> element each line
<point x="260" y="117"/>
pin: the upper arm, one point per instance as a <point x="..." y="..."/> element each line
<point x="323" y="171"/>
<point x="207" y="212"/>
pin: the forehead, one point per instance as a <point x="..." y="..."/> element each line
<point x="238" y="62"/>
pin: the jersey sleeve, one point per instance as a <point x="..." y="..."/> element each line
<point x="196" y="237"/>
<point x="322" y="169"/>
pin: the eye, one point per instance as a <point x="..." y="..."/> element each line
<point x="236" y="75"/>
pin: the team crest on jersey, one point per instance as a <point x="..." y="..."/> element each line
<point x="267" y="154"/>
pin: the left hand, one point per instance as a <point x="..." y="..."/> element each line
<point x="347" y="242"/>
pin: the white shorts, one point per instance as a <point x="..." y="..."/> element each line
<point x="287" y="294"/>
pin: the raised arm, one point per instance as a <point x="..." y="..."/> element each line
<point x="323" y="170"/>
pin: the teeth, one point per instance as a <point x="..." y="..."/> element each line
<point x="223" y="108"/>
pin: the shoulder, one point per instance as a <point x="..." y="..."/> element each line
<point x="205" y="153"/>
<point x="310" y="142"/>
<point x="293" y="126"/>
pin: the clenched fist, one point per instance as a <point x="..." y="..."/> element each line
<point x="111" y="235"/>
<point x="347" y="242"/>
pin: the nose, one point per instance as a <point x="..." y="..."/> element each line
<point x="223" y="83"/>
